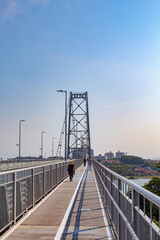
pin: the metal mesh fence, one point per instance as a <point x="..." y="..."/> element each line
<point x="122" y="201"/>
<point x="21" y="189"/>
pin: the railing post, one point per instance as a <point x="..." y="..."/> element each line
<point x="66" y="169"/>
<point x="43" y="181"/>
<point x="135" y="216"/>
<point x="63" y="171"/>
<point x="51" y="171"/>
<point x="105" y="182"/>
<point x="111" y="191"/>
<point x="60" y="172"/>
<point x="15" y="198"/>
<point x="150" y="231"/>
<point x="119" y="189"/>
<point x="33" y="187"/>
<point x="118" y="202"/>
<point x="103" y="178"/>
<point x="56" y="174"/>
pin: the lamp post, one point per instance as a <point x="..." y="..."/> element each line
<point x="42" y="143"/>
<point x="20" y="121"/>
<point x="62" y="91"/>
<point x="53" y="146"/>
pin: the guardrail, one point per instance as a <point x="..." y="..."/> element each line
<point x="24" y="160"/>
<point x="10" y="164"/>
<point x="21" y="189"/>
<point x="126" y="204"/>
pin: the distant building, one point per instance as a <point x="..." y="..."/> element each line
<point x="109" y="155"/>
<point x="99" y="157"/>
<point x="112" y="161"/>
<point x="120" y="154"/>
<point x="142" y="171"/>
<point x="148" y="168"/>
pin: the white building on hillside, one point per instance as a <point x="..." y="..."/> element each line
<point x="119" y="154"/>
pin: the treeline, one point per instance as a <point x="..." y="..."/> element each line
<point x="131" y="160"/>
<point x="124" y="170"/>
<point x="154" y="187"/>
<point x="127" y="166"/>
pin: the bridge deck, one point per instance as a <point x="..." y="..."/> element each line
<point x="85" y="219"/>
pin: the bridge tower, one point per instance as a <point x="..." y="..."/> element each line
<point x="79" y="145"/>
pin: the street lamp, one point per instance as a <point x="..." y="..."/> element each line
<point x="53" y="146"/>
<point x="42" y="143"/>
<point x="62" y="91"/>
<point x="20" y="121"/>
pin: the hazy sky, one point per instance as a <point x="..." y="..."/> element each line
<point x="110" y="48"/>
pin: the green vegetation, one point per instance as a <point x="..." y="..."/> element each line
<point x="154" y="187"/>
<point x="132" y="167"/>
<point x="123" y="170"/>
<point x="158" y="166"/>
<point x="127" y="166"/>
<point x="131" y="160"/>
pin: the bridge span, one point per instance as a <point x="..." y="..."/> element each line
<point x="41" y="203"/>
<point x="73" y="210"/>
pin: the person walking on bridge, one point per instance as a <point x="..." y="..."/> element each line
<point x="89" y="163"/>
<point x="71" y="170"/>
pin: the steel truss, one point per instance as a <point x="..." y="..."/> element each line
<point x="78" y="126"/>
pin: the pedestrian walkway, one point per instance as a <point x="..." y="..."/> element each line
<point x="72" y="211"/>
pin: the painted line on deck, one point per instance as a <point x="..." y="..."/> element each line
<point x="108" y="230"/>
<point x="65" y="218"/>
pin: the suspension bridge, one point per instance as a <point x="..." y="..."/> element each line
<point x="39" y="201"/>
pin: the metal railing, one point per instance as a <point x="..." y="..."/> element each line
<point x="21" y="189"/>
<point x="126" y="205"/>
<point x="6" y="165"/>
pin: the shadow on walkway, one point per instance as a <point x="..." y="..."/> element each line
<point x="85" y="220"/>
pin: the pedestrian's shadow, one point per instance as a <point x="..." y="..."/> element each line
<point x="78" y="215"/>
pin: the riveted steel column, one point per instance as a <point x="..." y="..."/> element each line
<point x="69" y="125"/>
<point x="88" y="127"/>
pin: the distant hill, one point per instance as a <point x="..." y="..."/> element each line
<point x="131" y="160"/>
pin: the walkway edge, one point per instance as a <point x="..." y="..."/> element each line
<point x="109" y="233"/>
<point x="64" y="220"/>
<point x="14" y="227"/>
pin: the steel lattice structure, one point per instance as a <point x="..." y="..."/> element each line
<point x="78" y="126"/>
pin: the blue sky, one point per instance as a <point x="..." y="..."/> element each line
<point x="109" y="48"/>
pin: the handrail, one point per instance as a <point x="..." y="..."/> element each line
<point x="20" y="191"/>
<point x="32" y="167"/>
<point x="126" y="205"/>
<point x="129" y="227"/>
<point x="147" y="194"/>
